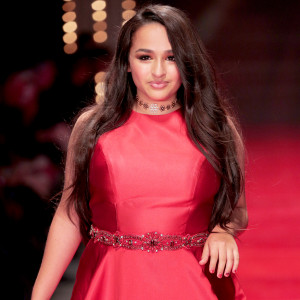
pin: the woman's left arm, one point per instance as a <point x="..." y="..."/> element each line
<point x="220" y="248"/>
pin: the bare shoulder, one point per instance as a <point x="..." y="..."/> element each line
<point x="83" y="117"/>
<point x="80" y="124"/>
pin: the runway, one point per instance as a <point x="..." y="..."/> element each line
<point x="270" y="249"/>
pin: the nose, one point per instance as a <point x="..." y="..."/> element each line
<point x="158" y="68"/>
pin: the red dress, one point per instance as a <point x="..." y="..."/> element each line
<point x="148" y="176"/>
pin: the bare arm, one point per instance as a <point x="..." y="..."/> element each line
<point x="221" y="248"/>
<point x="62" y="243"/>
<point x="63" y="237"/>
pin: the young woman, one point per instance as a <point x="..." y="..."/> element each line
<point x="153" y="177"/>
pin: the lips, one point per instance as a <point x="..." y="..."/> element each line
<point x="158" y="84"/>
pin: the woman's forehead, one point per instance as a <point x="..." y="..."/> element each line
<point x="152" y="36"/>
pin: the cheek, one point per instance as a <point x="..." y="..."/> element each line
<point x="138" y="72"/>
<point x="176" y="76"/>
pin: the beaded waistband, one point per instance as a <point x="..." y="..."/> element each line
<point x="150" y="241"/>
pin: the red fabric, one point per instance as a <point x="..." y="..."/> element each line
<point x="148" y="176"/>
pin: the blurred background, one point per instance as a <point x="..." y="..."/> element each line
<point x="53" y="57"/>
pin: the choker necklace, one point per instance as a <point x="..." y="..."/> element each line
<point x="153" y="107"/>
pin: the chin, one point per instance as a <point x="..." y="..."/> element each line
<point x="162" y="97"/>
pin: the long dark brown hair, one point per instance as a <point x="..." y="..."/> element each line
<point x="206" y="113"/>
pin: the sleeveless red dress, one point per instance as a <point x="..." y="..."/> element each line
<point x="148" y="176"/>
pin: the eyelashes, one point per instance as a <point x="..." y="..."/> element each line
<point x="147" y="57"/>
<point x="171" y="58"/>
<point x="144" y="57"/>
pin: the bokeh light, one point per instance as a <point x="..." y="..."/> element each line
<point x="99" y="86"/>
<point x="99" y="16"/>
<point x="128" y="4"/>
<point x="69" y="16"/>
<point x="70" y="48"/>
<point x="128" y="10"/>
<point x="70" y="37"/>
<point x="100" y="36"/>
<point x="69" y="6"/>
<point x="69" y="27"/>
<point x="100" y="26"/>
<point x="98" y="5"/>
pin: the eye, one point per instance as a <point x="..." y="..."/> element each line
<point x="144" y="57"/>
<point x="171" y="58"/>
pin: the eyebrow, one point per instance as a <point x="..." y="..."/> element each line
<point x="151" y="51"/>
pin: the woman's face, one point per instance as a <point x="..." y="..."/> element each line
<point x="152" y="64"/>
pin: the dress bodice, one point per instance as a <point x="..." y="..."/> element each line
<point x="147" y="175"/>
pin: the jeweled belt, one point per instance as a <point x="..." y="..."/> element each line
<point x="150" y="241"/>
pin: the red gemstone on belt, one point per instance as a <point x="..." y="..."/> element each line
<point x="150" y="241"/>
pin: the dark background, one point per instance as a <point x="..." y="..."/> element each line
<point x="255" y="45"/>
<point x="256" y="49"/>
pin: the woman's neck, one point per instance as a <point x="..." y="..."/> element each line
<point x="160" y="107"/>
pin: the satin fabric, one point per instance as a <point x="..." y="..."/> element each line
<point x="148" y="176"/>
